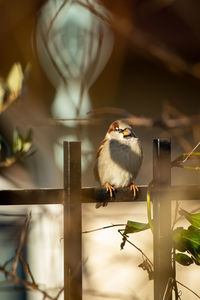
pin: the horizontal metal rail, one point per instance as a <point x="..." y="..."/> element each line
<point x="92" y="195"/>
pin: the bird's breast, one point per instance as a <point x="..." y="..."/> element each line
<point x="119" y="161"/>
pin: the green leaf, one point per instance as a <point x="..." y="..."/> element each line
<point x="194" y="219"/>
<point x="132" y="227"/>
<point x="149" y="210"/>
<point x="27" y="141"/>
<point x="178" y="241"/>
<point x="17" y="141"/>
<point x="22" y="145"/>
<point x="183" y="259"/>
<point x="188" y="240"/>
<point x="27" y="146"/>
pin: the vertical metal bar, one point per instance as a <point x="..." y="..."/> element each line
<point x="162" y="218"/>
<point x="72" y="222"/>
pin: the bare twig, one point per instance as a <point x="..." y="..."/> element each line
<point x="11" y="99"/>
<point x="168" y="290"/>
<point x="59" y="293"/>
<point x="27" y="284"/>
<point x="198" y="296"/>
<point x="27" y="269"/>
<point x="143" y="254"/>
<point x="143" y="42"/>
<point x="191" y="152"/>
<point x="21" y="243"/>
<point x="51" y="57"/>
<point x="11" y="274"/>
<point x="55" y="16"/>
<point x="105" y="227"/>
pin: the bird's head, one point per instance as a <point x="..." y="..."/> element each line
<point x="120" y="129"/>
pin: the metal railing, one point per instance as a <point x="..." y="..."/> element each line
<point x="73" y="195"/>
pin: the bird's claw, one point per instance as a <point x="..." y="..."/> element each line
<point x="134" y="189"/>
<point x="110" y="189"/>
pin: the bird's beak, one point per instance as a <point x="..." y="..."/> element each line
<point x="127" y="132"/>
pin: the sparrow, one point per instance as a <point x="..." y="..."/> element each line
<point x="119" y="158"/>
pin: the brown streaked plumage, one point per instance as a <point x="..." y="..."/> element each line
<point x="119" y="158"/>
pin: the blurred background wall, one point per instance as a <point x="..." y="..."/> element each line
<point x="154" y="60"/>
<point x="148" y="57"/>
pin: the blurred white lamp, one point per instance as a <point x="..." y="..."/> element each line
<point x="74" y="44"/>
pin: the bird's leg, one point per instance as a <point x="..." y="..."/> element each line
<point x="134" y="189"/>
<point x="110" y="189"/>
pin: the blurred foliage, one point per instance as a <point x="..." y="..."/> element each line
<point x="194" y="219"/>
<point x="193" y="157"/>
<point x="132" y="227"/>
<point x="185" y="240"/>
<point x="11" y="90"/>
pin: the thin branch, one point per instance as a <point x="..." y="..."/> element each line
<point x="11" y="274"/>
<point x="105" y="227"/>
<point x="7" y="262"/>
<point x="143" y="42"/>
<point x="27" y="284"/>
<point x="51" y="57"/>
<point x="11" y="99"/>
<point x="21" y="243"/>
<point x="191" y="212"/>
<point x="59" y="293"/>
<point x="198" y="296"/>
<point x="143" y="254"/>
<point x="168" y="289"/>
<point x="27" y="269"/>
<point x="55" y="16"/>
<point x="191" y="152"/>
<point x="174" y="267"/>
<point x="6" y="281"/>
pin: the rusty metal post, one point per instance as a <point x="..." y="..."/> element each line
<point x="162" y="218"/>
<point x="72" y="222"/>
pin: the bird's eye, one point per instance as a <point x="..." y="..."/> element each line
<point x="119" y="129"/>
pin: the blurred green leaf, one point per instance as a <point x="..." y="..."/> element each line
<point x="191" y="168"/>
<point x="179" y="161"/>
<point x="177" y="238"/>
<point x="27" y="146"/>
<point x="132" y="227"/>
<point x="183" y="259"/>
<point x="3" y="92"/>
<point x="12" y="88"/>
<point x="190" y="155"/>
<point x="22" y="145"/>
<point x="194" y="219"/>
<point x="17" y="141"/>
<point x="149" y="210"/>
<point x="28" y="141"/>
<point x="15" y="79"/>
<point x="188" y="240"/>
